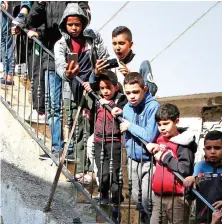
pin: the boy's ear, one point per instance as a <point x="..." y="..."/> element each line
<point x="117" y="87"/>
<point x="177" y="121"/>
<point x="131" y="44"/>
<point x="145" y="89"/>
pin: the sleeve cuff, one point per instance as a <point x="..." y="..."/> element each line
<point x="165" y="156"/>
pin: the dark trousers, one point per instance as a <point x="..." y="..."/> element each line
<point x="38" y="93"/>
<point x="104" y="185"/>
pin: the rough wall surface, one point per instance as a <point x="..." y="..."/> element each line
<point x="26" y="181"/>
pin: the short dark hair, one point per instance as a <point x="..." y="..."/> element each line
<point x="167" y="111"/>
<point x="133" y="78"/>
<point x="122" y="29"/>
<point x="109" y="76"/>
<point x="213" y="135"/>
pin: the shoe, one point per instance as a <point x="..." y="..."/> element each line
<point x="34" y="117"/>
<point x="20" y="20"/>
<point x="70" y="156"/>
<point x="103" y="198"/>
<point x="7" y="82"/>
<point x="45" y="156"/>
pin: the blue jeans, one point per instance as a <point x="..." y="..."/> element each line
<point x="53" y="89"/>
<point x="6" y="43"/>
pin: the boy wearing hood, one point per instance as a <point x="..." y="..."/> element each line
<point x="173" y="151"/>
<point x="139" y="122"/>
<point x="89" y="46"/>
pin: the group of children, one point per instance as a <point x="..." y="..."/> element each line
<point x="171" y="148"/>
<point x="143" y="118"/>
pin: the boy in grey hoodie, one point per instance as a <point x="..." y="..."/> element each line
<point x="88" y="44"/>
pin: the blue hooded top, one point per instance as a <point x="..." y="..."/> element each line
<point x="143" y="125"/>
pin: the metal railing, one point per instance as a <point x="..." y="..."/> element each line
<point x="120" y="178"/>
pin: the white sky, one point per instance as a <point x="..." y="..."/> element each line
<point x="193" y="64"/>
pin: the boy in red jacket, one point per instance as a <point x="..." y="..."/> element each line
<point x="173" y="151"/>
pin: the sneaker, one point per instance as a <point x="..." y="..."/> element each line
<point x="45" y="156"/>
<point x="103" y="198"/>
<point x="34" y="117"/>
<point x="20" y="20"/>
<point x="70" y="156"/>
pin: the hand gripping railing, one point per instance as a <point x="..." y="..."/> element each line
<point x="119" y="118"/>
<point x="63" y="169"/>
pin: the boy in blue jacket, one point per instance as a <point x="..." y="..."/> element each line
<point x="139" y="122"/>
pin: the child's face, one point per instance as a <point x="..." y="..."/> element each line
<point x="107" y="89"/>
<point x="74" y="26"/>
<point x="168" y="128"/>
<point x="121" y="45"/>
<point x="213" y="151"/>
<point x="134" y="93"/>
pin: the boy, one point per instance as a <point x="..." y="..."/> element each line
<point x="109" y="89"/>
<point x="88" y="45"/>
<point x="128" y="61"/>
<point x="207" y="176"/>
<point x="174" y="151"/>
<point x="139" y="121"/>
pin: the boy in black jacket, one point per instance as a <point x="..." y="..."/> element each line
<point x="106" y="140"/>
<point x="173" y="151"/>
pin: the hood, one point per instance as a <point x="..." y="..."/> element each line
<point x="185" y="138"/>
<point x="72" y="9"/>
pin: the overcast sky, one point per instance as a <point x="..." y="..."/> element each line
<point x="193" y="64"/>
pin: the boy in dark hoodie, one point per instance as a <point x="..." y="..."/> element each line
<point x="173" y="151"/>
<point x="207" y="176"/>
<point x="139" y="121"/>
<point x="106" y="140"/>
<point x="89" y="46"/>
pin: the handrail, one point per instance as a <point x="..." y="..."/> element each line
<point x="65" y="171"/>
<point x="119" y="118"/>
<point x="26" y="31"/>
<point x="145" y="143"/>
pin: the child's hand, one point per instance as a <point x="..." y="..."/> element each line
<point x="124" y="125"/>
<point x="189" y="182"/>
<point x="16" y="30"/>
<point x="218" y="205"/>
<point x="158" y="155"/>
<point x="100" y="66"/>
<point x="103" y="101"/>
<point x="72" y="69"/>
<point x="32" y="33"/>
<point x="216" y="217"/>
<point x="153" y="147"/>
<point x="124" y="70"/>
<point x="116" y="111"/>
<point x="87" y="87"/>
